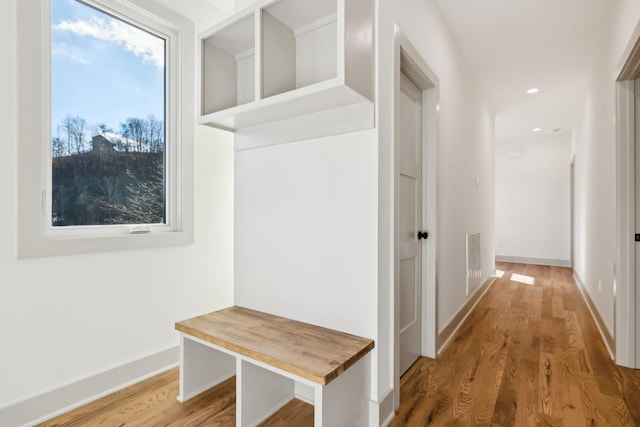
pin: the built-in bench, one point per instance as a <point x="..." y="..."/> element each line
<point x="276" y="359"/>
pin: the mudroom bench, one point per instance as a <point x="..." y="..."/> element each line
<point x="276" y="359"/>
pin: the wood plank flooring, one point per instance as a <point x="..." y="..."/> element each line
<point x="528" y="355"/>
<point x="153" y="403"/>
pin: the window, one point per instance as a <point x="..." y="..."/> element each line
<point x="114" y="134"/>
<point x="108" y="119"/>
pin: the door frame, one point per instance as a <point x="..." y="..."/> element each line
<point x="625" y="289"/>
<point x="624" y="296"/>
<point x="572" y="214"/>
<point x="407" y="59"/>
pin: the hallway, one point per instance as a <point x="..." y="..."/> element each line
<point x="528" y="354"/>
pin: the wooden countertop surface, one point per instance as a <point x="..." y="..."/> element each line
<point x="312" y="352"/>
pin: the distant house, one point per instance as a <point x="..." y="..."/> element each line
<point x="101" y="145"/>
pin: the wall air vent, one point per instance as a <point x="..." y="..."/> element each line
<point x="474" y="265"/>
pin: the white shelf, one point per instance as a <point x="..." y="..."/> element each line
<point x="299" y="44"/>
<point x="228" y="67"/>
<point x="283" y="59"/>
<point x="306" y="100"/>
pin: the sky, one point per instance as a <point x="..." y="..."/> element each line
<point x="103" y="69"/>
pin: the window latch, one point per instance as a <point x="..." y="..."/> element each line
<point x="139" y="229"/>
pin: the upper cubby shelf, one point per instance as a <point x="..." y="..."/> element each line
<point x="283" y="59"/>
<point x="228" y="67"/>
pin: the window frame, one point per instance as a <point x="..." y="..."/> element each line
<point x="37" y="237"/>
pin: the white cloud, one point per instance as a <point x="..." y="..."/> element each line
<point x="140" y="43"/>
<point x="69" y="51"/>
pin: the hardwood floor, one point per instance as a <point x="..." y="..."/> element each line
<point x="153" y="403"/>
<point x="528" y="355"/>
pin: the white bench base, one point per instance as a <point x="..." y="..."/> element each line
<point x="262" y="389"/>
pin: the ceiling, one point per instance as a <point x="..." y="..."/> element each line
<point x="515" y="45"/>
<point x="511" y="45"/>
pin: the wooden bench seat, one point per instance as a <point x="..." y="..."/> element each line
<point x="312" y="352"/>
<point x="269" y="355"/>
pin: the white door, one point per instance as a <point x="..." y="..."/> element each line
<point x="408" y="222"/>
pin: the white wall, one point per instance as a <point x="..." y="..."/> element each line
<point x="306" y="217"/>
<point x="64" y="319"/>
<point x="533" y="198"/>
<point x="594" y="145"/>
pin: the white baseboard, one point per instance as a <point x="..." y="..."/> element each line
<point x="607" y="338"/>
<point x="58" y="401"/>
<point x="446" y="335"/>
<point x="305" y="393"/>
<point x="536" y="261"/>
<point x="381" y="413"/>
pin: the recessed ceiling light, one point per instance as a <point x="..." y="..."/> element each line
<point x="536" y="130"/>
<point x="533" y="90"/>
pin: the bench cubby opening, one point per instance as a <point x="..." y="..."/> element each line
<point x="275" y="360"/>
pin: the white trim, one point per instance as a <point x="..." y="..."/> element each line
<point x="35" y="236"/>
<point x="594" y="315"/>
<point x="625" y="286"/>
<point x="430" y="102"/>
<point x="408" y="59"/>
<point x="626" y="54"/>
<point x="145" y="21"/>
<point x="304" y="392"/>
<point x="536" y="261"/>
<point x="312" y="26"/>
<point x="245" y="54"/>
<point x="382" y="413"/>
<point x="387" y="421"/>
<point x="60" y="400"/>
<point x="487" y="284"/>
<point x="627" y="344"/>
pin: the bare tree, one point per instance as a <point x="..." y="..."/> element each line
<point x="57" y="146"/>
<point x="155" y="128"/>
<point x="134" y="129"/>
<point x="73" y="134"/>
<point x="64" y="129"/>
<point x="117" y="188"/>
<point x="79" y="133"/>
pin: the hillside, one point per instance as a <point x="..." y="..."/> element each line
<point x="105" y="186"/>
